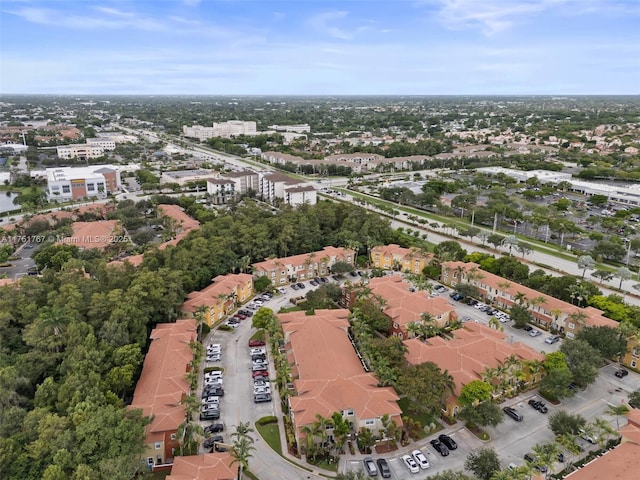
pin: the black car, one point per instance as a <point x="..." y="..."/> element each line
<point x="383" y="467"/>
<point x="301" y="286"/>
<point x="534" y="460"/>
<point x="448" y="441"/>
<point x="540" y="406"/>
<point x="511" y="412"/>
<point x="213" y="392"/>
<point x="440" y="447"/>
<point x="208" y="443"/>
<point x="219" y="448"/>
<point x="622" y="373"/>
<point x="472" y="301"/>
<point x="456" y="296"/>
<point x="527" y="328"/>
<point x="214" y="428"/>
<point x="313" y="283"/>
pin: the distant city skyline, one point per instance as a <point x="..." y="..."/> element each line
<point x="320" y="47"/>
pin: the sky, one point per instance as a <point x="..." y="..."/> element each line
<point x="320" y="47"/>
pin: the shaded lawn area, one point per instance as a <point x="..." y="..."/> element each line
<point x="157" y="475"/>
<point x="271" y="434"/>
<point x="423" y="418"/>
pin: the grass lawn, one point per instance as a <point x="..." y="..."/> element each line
<point x="332" y="467"/>
<point x="422" y="418"/>
<point x="259" y="335"/>
<point x="157" y="475"/>
<point x="271" y="434"/>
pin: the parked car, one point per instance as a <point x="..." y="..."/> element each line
<point x="552" y="339"/>
<point x="295" y="286"/>
<point x="258" y="351"/>
<point x="210" y="415"/>
<point x="282" y="290"/>
<point x="622" y="373"/>
<point x="420" y="459"/>
<point x="261" y="356"/>
<point x="260" y="373"/>
<point x="301" y="286"/>
<point x="592" y="439"/>
<point x="370" y="467"/>
<point x="411" y="464"/>
<point x="259" y="367"/>
<point x="262" y="398"/>
<point x="260" y="378"/>
<point x="211" y="399"/>
<point x="313" y="283"/>
<point x="527" y="328"/>
<point x="440" y="447"/>
<point x="456" y="296"/>
<point x="513" y="413"/>
<point x="213" y="358"/>
<point x="261" y="390"/>
<point x="448" y="441"/>
<point x="538" y="405"/>
<point x="260" y="382"/>
<point x="214" y="428"/>
<point x="534" y="461"/>
<point x="208" y="443"/>
<point x="383" y="467"/>
<point x="535" y="333"/>
<point x="256" y="343"/>
<point x="259" y="361"/>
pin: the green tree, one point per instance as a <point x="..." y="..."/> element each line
<point x="474" y="392"/>
<point x="634" y="399"/>
<point x="608" y="341"/>
<point x="484" y="414"/>
<point x="520" y="316"/>
<point x="562" y="423"/>
<point x="263" y="318"/>
<point x="582" y="359"/>
<point x="425" y="385"/>
<point x="484" y="463"/>
<point x="585" y="262"/>
<point x="450" y="475"/>
<point x="449" y="251"/>
<point x="602" y="275"/>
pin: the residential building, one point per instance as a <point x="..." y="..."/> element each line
<point x="275" y="186"/>
<point x="95" y="235"/>
<point x="162" y="388"/>
<point x="620" y="463"/>
<point x="231" y="128"/>
<point x="395" y="257"/>
<point x="474" y="353"/>
<point x="329" y="377"/>
<point x="210" y="466"/>
<point x="404" y="306"/>
<point x="224" y="294"/>
<point x="179" y="222"/>
<point x="552" y="313"/>
<point x="304" y="266"/>
<point x="245" y="181"/>
<point x="67" y="183"/>
<point x="299" y="195"/>
<point x="94" y="148"/>
<point x="221" y="190"/>
<point x="280" y="158"/>
<point x="631" y="357"/>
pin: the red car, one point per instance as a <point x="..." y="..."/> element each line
<point x="256" y="343"/>
<point x="260" y="373"/>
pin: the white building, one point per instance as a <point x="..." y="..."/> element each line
<point x="300" y="195"/>
<point x="221" y="190"/>
<point x="231" y="128"/>
<point x="67" y="183"/>
<point x="276" y="185"/>
<point x="301" y="128"/>
<point x="94" y="148"/>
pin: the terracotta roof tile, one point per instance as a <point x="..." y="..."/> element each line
<point x="210" y="466"/>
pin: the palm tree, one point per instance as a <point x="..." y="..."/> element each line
<point x="510" y="241"/>
<point x="200" y="315"/>
<point x="495" y="324"/>
<point x="547" y="454"/>
<point x="241" y="453"/>
<point x="568" y="442"/>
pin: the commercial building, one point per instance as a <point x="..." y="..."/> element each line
<point x="220" y="298"/>
<point x="304" y="266"/>
<point x="94" y="148"/>
<point x="231" y="128"/>
<point x="162" y="388"/>
<point x="300" y="128"/>
<point x="474" y="353"/>
<point x="74" y="183"/>
<point x="329" y="377"/>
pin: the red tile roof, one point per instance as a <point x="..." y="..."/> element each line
<point x="88" y="235"/>
<point x="222" y="285"/>
<point x="339" y="253"/>
<point x="595" y="317"/>
<point x="162" y="384"/>
<point x="473" y="349"/>
<point x="210" y="466"/>
<point x="184" y="221"/>
<point x="404" y="306"/>
<point x="331" y="376"/>
<point x="400" y="253"/>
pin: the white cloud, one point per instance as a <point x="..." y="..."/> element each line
<point x="327" y="23"/>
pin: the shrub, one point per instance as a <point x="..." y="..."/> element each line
<point x="267" y="420"/>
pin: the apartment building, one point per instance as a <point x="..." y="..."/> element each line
<point x="276" y="185"/>
<point x="220" y="298"/>
<point x="395" y="257"/>
<point x="549" y="311"/>
<point x="329" y="376"/>
<point x="244" y="181"/>
<point x="162" y="387"/>
<point x="280" y="158"/>
<point x="302" y="267"/>
<point x="299" y="195"/>
<point x="221" y="190"/>
<point x="474" y="353"/>
<point x="210" y="466"/>
<point x="74" y="183"/>
<point x="95" y="235"/>
<point x="404" y="306"/>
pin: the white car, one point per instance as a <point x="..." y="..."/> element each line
<point x="214" y="374"/>
<point x="211" y="400"/>
<point x="214" y="346"/>
<point x="420" y="459"/>
<point x="282" y="290"/>
<point x="535" y="333"/>
<point x="261" y="390"/>
<point x="213" y="358"/>
<point x="258" y="301"/>
<point x="479" y="305"/>
<point x="411" y="463"/>
<point x="214" y="381"/>
<point x="258" y="351"/>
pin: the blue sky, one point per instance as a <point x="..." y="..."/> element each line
<point x="304" y="47"/>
